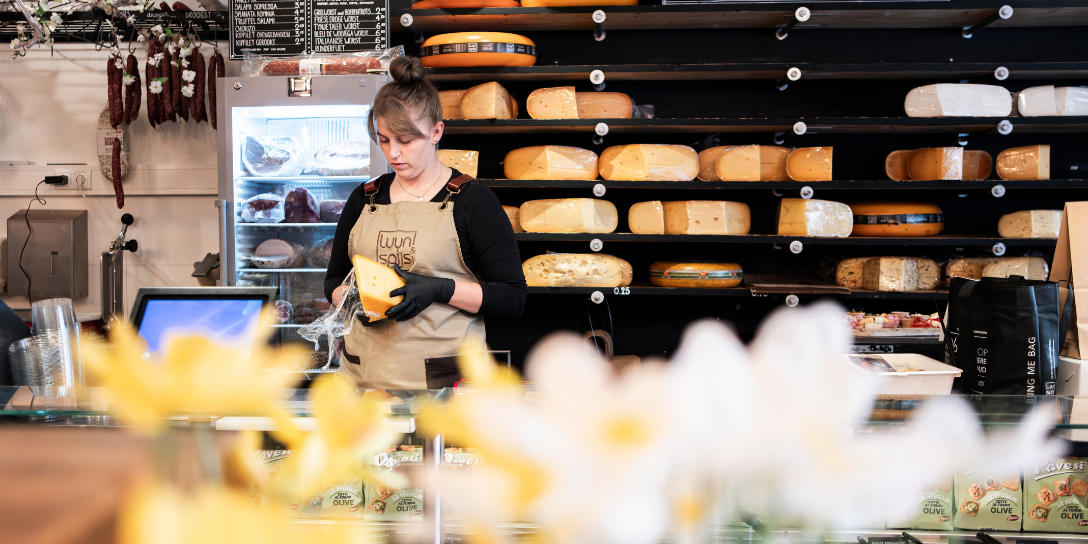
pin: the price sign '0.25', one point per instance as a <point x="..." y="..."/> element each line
<point x="621" y="291"/>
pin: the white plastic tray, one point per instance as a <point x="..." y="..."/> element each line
<point x="935" y="378"/>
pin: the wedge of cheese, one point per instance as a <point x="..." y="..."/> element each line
<point x="738" y="163"/>
<point x="487" y="101"/>
<point x="451" y="103"/>
<point x="850" y="273"/>
<point x="935" y="163"/>
<point x="897" y="219"/>
<point x="465" y="161"/>
<point x="800" y="217"/>
<point x="649" y="162"/>
<point x="1037" y="102"/>
<point x="375" y="281"/>
<point x="553" y="162"/>
<point x="604" y="105"/>
<point x="577" y="270"/>
<point x="1030" y="224"/>
<point x="894" y="274"/>
<point x="1071" y="101"/>
<point x="708" y="158"/>
<point x="1029" y="162"/>
<point x="707" y="217"/>
<point x="552" y="103"/>
<point x="977" y="165"/>
<point x="895" y="166"/>
<point x="772" y="163"/>
<point x="573" y="215"/>
<point x="809" y="164"/>
<point x="647" y="217"/>
<point x="513" y="213"/>
<point x="958" y="100"/>
<point x="969" y="267"/>
<point x="1032" y="268"/>
<point x="696" y="274"/>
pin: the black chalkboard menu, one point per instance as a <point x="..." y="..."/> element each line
<point x="285" y="28"/>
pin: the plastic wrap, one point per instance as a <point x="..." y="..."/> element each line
<point x="744" y="163"/>
<point x="271" y="156"/>
<point x="465" y="161"/>
<point x="958" y="100"/>
<point x="577" y="270"/>
<point x="470" y="49"/>
<point x="643" y="111"/>
<point x="276" y="253"/>
<point x="812" y="217"/>
<point x="598" y="105"/>
<point x="263" y="208"/>
<point x="1030" y="224"/>
<point x="514" y="214"/>
<point x="696" y="274"/>
<point x="850" y="273"/>
<point x="315" y="65"/>
<point x="1032" y="268"/>
<point x="968" y="267"/>
<point x="737" y="163"/>
<point x="896" y="219"/>
<point x="319" y="254"/>
<point x="488" y="101"/>
<point x="553" y="103"/>
<point x="552" y="162"/>
<point x="649" y="162"/>
<point x="707" y="217"/>
<point x="895" y="166"/>
<point x="330" y="210"/>
<point x="1029" y="162"/>
<point x="977" y="165"/>
<point x="343" y="158"/>
<point x="893" y="274"/>
<point x="1071" y="101"/>
<point x="569" y="215"/>
<point x="708" y="158"/>
<point x="337" y="321"/>
<point x="647" y="217"/>
<point x="809" y="164"/>
<point x="300" y="206"/>
<point x="935" y="163"/>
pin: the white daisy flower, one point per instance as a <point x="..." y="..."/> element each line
<point x="171" y="48"/>
<point x="131" y="20"/>
<point x="129" y="79"/>
<point x="157" y="29"/>
<point x="185" y="52"/>
<point x="188" y="75"/>
<point x="187" y="90"/>
<point x="15" y="43"/>
<point x="184" y="63"/>
<point x="120" y="64"/>
<point x="115" y="51"/>
<point x="152" y="61"/>
<point x="155" y="87"/>
<point x="140" y="38"/>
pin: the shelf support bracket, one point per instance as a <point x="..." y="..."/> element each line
<point x="599" y="18"/>
<point x="801" y="15"/>
<point x="407" y="21"/>
<point x="1004" y="13"/>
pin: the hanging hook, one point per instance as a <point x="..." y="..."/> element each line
<point x="132" y="40"/>
<point x="198" y="41"/>
<point x="215" y="42"/>
<point x="98" y="42"/>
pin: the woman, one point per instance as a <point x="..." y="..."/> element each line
<point x="445" y="235"/>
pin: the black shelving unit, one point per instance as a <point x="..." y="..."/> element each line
<point x="940" y="240"/>
<point x="789" y="185"/>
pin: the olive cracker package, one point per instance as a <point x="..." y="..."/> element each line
<point x="987" y="500"/>
<point x="338" y="500"/>
<point x="385" y="503"/>
<point x="930" y="508"/>
<point x="1054" y="496"/>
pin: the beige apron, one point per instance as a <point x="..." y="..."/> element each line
<point x="421" y="238"/>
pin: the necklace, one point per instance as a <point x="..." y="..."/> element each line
<point x="404" y="187"/>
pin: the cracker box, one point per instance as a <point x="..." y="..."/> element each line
<point x="1054" y="496"/>
<point x="931" y="508"/>
<point x="987" y="500"/>
<point x="339" y="500"/>
<point x="384" y="503"/>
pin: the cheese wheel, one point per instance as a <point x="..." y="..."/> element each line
<point x="929" y="273"/>
<point x="462" y="4"/>
<point x="577" y="270"/>
<point x="812" y="217"/>
<point x="451" y="103"/>
<point x="1071" y="101"/>
<point x="469" y="49"/>
<point x="649" y="162"/>
<point x="573" y="215"/>
<point x="895" y="166"/>
<point x="552" y="103"/>
<point x="488" y="101"/>
<point x="897" y="219"/>
<point x="809" y="164"/>
<point x="935" y="163"/>
<point x="514" y="214"/>
<point x="375" y="281"/>
<point x="739" y="163"/>
<point x="603" y="105"/>
<point x="647" y="218"/>
<point x="700" y="275"/>
<point x="894" y="274"/>
<point x="1032" y="268"/>
<point x="566" y="3"/>
<point x="968" y="267"/>
<point x="707" y="161"/>
<point x="707" y="217"/>
<point x="1030" y="162"/>
<point x="977" y="165"/>
<point x="552" y="162"/>
<point x="958" y="100"/>
<point x="849" y="273"/>
<point x="1030" y="224"/>
<point x="467" y="162"/>
<point x="772" y="163"/>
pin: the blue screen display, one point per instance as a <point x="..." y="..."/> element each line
<point x="222" y="320"/>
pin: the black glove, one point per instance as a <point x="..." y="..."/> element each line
<point x="365" y="321"/>
<point x="419" y="292"/>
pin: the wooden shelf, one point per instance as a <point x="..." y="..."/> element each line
<point x="951" y="240"/>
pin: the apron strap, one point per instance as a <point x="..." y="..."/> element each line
<point x="370" y="189"/>
<point x="454" y="186"/>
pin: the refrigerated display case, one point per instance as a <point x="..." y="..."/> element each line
<point x="291" y="150"/>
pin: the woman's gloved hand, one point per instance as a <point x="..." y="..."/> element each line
<point x="419" y="292"/>
<point x="365" y="321"/>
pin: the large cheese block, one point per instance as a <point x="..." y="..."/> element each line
<point x="897" y="219"/>
<point x="977" y="165"/>
<point x="1049" y="100"/>
<point x="895" y="166"/>
<point x="1032" y="268"/>
<point x="552" y="103"/>
<point x="487" y="101"/>
<point x="462" y="160"/>
<point x="958" y="100"/>
<point x="738" y="163"/>
<point x="968" y="267"/>
<point x="470" y="49"/>
<point x="707" y="217"/>
<point x="708" y="158"/>
<point x="376" y="281"/>
<point x="935" y="163"/>
<point x="1030" y="224"/>
<point x="1071" y="100"/>
<point x="577" y="270"/>
<point x="850" y="272"/>
<point x="513" y="213"/>
<point x="809" y="164"/>
<point x="603" y="105"/>
<point x="574" y="215"/>
<point x="451" y="103"/>
<point x="554" y="162"/>
<point x="649" y="162"/>
<point x="647" y="217"/>
<point x="695" y="274"/>
<point x="890" y="274"/>
<point x="929" y="273"/>
<point x="1029" y="162"/>
<point x="772" y="163"/>
<point x="800" y="217"/>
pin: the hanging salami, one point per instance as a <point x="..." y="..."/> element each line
<point x="216" y="70"/>
<point x="133" y="91"/>
<point x="199" y="113"/>
<point x="166" y="73"/>
<point x="115" y="84"/>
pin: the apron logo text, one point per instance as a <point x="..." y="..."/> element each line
<point x="396" y="247"/>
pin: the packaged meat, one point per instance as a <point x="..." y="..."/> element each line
<point x="344" y="158"/>
<point x="263" y="208"/>
<point x="318" y="256"/>
<point x="283" y="311"/>
<point x="271" y="156"/>
<point x="315" y="65"/>
<point x="330" y="210"/>
<point x="321" y="304"/>
<point x="276" y="253"/>
<point x="305" y="314"/>
<point x="301" y="207"/>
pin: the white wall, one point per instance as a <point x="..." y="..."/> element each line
<point x="49" y="108"/>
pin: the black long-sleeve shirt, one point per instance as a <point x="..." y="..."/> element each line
<point x="487" y="243"/>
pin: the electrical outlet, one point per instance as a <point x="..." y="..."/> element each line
<point x="76" y="179"/>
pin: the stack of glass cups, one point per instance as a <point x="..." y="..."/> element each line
<point x="52" y="355"/>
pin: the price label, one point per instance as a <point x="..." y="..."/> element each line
<point x="621" y="291"/>
<point x="285" y="28"/>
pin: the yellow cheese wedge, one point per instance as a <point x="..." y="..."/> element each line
<point x="573" y="215"/>
<point x="487" y="101"/>
<point x="649" y="162"/>
<point x="1030" y="224"/>
<point x="451" y="103"/>
<point x="577" y="270"/>
<point x="895" y="166"/>
<point x="772" y="163"/>
<point x="603" y="105"/>
<point x="553" y="162"/>
<point x="467" y="162"/>
<point x="707" y="160"/>
<point x="740" y="163"/>
<point x="977" y="165"/>
<point x="552" y="103"/>
<point x="935" y="163"/>
<point x="897" y="219"/>
<point x="707" y="217"/>
<point x="696" y="274"/>
<point x="375" y="282"/>
<point x="809" y="164"/>
<point x="1030" y="162"/>
<point x="514" y="214"/>
<point x="647" y="218"/>
<point x="800" y="217"/>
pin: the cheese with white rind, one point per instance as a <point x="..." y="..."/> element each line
<point x="552" y="103"/>
<point x="697" y="275"/>
<point x="772" y="163"/>
<point x="462" y="160"/>
<point x="1071" y="101"/>
<point x="569" y="215"/>
<point x="812" y="217"/>
<point x="707" y="217"/>
<point x="1032" y="268"/>
<point x="577" y="270"/>
<point x="739" y="163"/>
<point x="649" y="162"/>
<point x="451" y="103"/>
<point x="1037" y="102"/>
<point x="809" y="164"/>
<point x="1024" y="163"/>
<point x="969" y="267"/>
<point x="1030" y="224"/>
<point x="895" y="166"/>
<point x="708" y="158"/>
<point x="850" y="272"/>
<point x="935" y="163"/>
<point x="552" y="162"/>
<point x="958" y="100"/>
<point x="598" y="105"/>
<point x="513" y="213"/>
<point x="487" y="101"/>
<point x="977" y="165"/>
<point x="890" y="274"/>
<point x="646" y="218"/>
